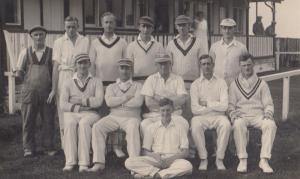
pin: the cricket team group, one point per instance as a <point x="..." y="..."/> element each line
<point x="150" y="91"/>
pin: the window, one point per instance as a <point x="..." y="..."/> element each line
<point x="12" y="15"/>
<point x="238" y="16"/>
<point x="124" y="10"/>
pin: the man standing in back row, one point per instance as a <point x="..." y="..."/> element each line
<point x="64" y="50"/>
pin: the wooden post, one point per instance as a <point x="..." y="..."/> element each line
<point x="11" y="92"/>
<point x="277" y="56"/>
<point x="285" y="98"/>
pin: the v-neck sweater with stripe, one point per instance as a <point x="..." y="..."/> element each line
<point x="144" y="64"/>
<point x="91" y="94"/>
<point x="185" y="61"/>
<point x="104" y="58"/>
<point x="252" y="100"/>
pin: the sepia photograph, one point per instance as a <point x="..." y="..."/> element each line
<point x="141" y="89"/>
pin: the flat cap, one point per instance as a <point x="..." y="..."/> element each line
<point x="146" y="20"/>
<point x="37" y="27"/>
<point x="183" y="19"/>
<point x="125" y="62"/>
<point x="162" y="57"/>
<point x="81" y="57"/>
<point x="228" y="22"/>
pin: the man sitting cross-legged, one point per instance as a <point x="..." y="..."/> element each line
<point x="164" y="148"/>
<point x="125" y="101"/>
<point x="209" y="101"/>
<point x="163" y="84"/>
<point x="80" y="96"/>
<point x="251" y="104"/>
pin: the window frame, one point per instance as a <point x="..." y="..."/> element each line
<point x="20" y="24"/>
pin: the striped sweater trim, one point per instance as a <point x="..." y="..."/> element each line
<point x="84" y="87"/>
<point x="146" y="50"/>
<point x="253" y="90"/>
<point x="108" y="45"/>
<point x="186" y="51"/>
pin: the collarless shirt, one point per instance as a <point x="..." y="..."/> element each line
<point x="213" y="91"/>
<point x="166" y="141"/>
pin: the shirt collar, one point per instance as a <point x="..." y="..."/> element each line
<point x="42" y="50"/>
<point x="250" y="80"/>
<point x="76" y="77"/>
<point x="202" y="78"/>
<point x="66" y="37"/>
<point x="171" y="76"/>
<point x="233" y="42"/>
<point x="118" y="81"/>
<point x="140" y="39"/>
<point x="171" y="124"/>
<point x="190" y="36"/>
<point x="103" y="37"/>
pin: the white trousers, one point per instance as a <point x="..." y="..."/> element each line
<point x="112" y="123"/>
<point x="77" y="137"/>
<point x="240" y="134"/>
<point x="148" y="166"/>
<point x="223" y="128"/>
<point x="176" y="118"/>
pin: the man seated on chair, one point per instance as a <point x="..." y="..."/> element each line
<point x="81" y="95"/>
<point x="125" y="101"/>
<point x="165" y="146"/>
<point x="251" y="104"/>
<point x="163" y="84"/>
<point x="209" y="101"/>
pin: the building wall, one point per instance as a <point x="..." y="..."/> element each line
<point x="32" y="15"/>
<point x="53" y="11"/>
<point x="76" y="11"/>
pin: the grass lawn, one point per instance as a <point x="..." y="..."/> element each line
<point x="285" y="159"/>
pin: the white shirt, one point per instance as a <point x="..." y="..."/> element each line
<point x="64" y="50"/>
<point x="165" y="140"/>
<point x="213" y="91"/>
<point x="146" y="45"/>
<point x="227" y="59"/>
<point x="81" y="83"/>
<point x="155" y="84"/>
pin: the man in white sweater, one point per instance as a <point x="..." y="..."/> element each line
<point x="125" y="101"/>
<point x="251" y="104"/>
<point x="81" y="95"/>
<point x="209" y="101"/>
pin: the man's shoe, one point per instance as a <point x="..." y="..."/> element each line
<point x="119" y="153"/>
<point x="68" y="168"/>
<point x="242" y="167"/>
<point x="203" y="164"/>
<point x="83" y="169"/>
<point x="51" y="152"/>
<point x="264" y="165"/>
<point x="28" y="154"/>
<point x="220" y="164"/>
<point x="97" y="167"/>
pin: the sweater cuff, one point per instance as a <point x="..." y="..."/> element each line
<point x="85" y="102"/>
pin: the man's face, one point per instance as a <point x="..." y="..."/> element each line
<point x="227" y="32"/>
<point x="164" y="68"/>
<point x="108" y="23"/>
<point x="82" y="67"/>
<point x="183" y="29"/>
<point x="71" y="28"/>
<point x="125" y="72"/>
<point x="166" y="113"/>
<point x="247" y="68"/>
<point x="38" y="37"/>
<point x="206" y="66"/>
<point x="145" y="30"/>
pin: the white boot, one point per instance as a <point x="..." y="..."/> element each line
<point x="242" y="167"/>
<point x="264" y="165"/>
<point x="220" y="164"/>
<point x="203" y="164"/>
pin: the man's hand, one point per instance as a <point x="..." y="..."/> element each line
<point x="157" y="97"/>
<point x="129" y="96"/>
<point x="235" y="115"/>
<point x="75" y="100"/>
<point x="268" y="115"/>
<point x="203" y="103"/>
<point x="167" y="162"/>
<point x="51" y="97"/>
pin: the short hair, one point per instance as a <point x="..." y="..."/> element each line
<point x="205" y="56"/>
<point x="71" y="19"/>
<point x="108" y="14"/>
<point x="245" y="57"/>
<point x="165" y="101"/>
<point x="198" y="13"/>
